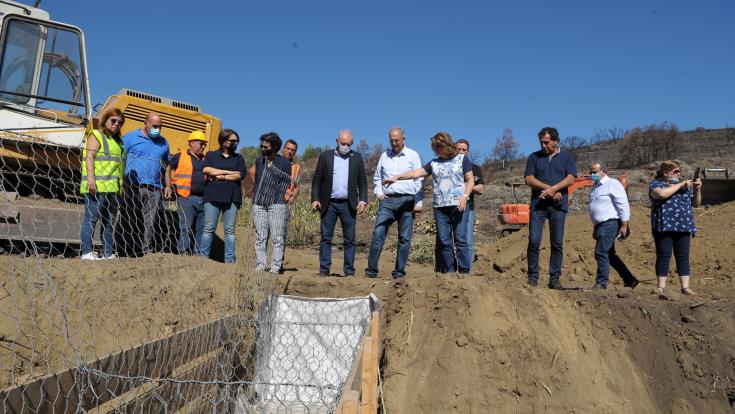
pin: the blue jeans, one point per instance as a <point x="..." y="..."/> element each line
<point x="605" y="255"/>
<point x="400" y="209"/>
<point x="338" y="209"/>
<point x="556" y="216"/>
<point x="470" y="219"/>
<point x="191" y="223"/>
<point x="451" y="233"/>
<point x="211" y="215"/>
<point x="667" y="241"/>
<point x="99" y="206"/>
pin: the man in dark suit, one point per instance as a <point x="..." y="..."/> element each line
<point x="339" y="190"/>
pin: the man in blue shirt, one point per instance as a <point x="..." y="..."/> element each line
<point x="548" y="172"/>
<point x="398" y="202"/>
<point x="148" y="155"/>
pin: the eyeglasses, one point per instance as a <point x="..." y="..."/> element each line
<point x="116" y="121"/>
<point x="233" y="141"/>
<point x="677" y="171"/>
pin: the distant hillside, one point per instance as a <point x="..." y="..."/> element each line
<point x="704" y="147"/>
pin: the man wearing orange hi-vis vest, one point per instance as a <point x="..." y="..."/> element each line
<point x="188" y="179"/>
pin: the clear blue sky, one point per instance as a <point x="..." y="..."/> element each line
<point x="306" y="69"/>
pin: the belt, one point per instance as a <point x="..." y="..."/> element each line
<point x="398" y="195"/>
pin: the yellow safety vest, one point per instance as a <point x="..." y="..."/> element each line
<point x="108" y="165"/>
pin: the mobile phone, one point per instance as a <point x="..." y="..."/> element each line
<point x="696" y="174"/>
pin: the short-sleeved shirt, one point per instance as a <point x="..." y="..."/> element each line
<point x="224" y="191"/>
<point x="198" y="180"/>
<point x="477" y="172"/>
<point x="146" y="158"/>
<point x="673" y="214"/>
<point x="448" y="179"/>
<point x="550" y="170"/>
<point x="275" y="177"/>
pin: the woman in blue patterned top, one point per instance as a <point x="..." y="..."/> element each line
<point x="453" y="182"/>
<point x="672" y="221"/>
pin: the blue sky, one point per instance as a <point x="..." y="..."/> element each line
<point x="306" y="69"/>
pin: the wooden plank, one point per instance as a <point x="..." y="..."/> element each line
<point x="8" y="209"/>
<point x="172" y="396"/>
<point x="60" y="392"/>
<point x="366" y="390"/>
<point x="349" y="403"/>
<point x="375" y="363"/>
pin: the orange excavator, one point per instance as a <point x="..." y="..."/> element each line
<point x="513" y="217"/>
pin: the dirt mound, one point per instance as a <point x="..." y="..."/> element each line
<point x="478" y="344"/>
<point x="489" y="344"/>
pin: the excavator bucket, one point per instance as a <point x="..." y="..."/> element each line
<point x="716" y="190"/>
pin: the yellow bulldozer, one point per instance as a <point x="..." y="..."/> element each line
<point x="45" y="113"/>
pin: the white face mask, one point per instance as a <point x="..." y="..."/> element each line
<point x="344" y="149"/>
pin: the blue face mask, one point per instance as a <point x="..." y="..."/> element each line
<point x="674" y="181"/>
<point x="154" y="132"/>
<point x="595" y="177"/>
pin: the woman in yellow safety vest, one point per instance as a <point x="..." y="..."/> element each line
<point x="103" y="160"/>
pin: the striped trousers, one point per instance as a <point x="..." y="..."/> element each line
<point x="270" y="222"/>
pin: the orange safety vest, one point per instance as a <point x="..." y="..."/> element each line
<point x="183" y="174"/>
<point x="295" y="171"/>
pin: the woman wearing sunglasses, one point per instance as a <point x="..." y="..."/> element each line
<point x="672" y="221"/>
<point x="102" y="173"/>
<point x="224" y="169"/>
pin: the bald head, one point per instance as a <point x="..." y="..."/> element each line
<point x="153" y="125"/>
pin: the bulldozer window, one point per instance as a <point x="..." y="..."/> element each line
<point x="42" y="67"/>
<point x="18" y="60"/>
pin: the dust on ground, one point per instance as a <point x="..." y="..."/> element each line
<point x="478" y="344"/>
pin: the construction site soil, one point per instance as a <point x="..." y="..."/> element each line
<point x="476" y="344"/>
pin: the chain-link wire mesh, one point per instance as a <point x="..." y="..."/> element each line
<point x="149" y="330"/>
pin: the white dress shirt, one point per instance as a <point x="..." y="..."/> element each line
<point x="608" y="200"/>
<point x="391" y="164"/>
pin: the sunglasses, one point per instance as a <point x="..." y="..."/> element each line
<point x="116" y="121"/>
<point x="233" y="141"/>
<point x="677" y="171"/>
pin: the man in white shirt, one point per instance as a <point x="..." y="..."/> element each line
<point x="610" y="214"/>
<point x="398" y="202"/>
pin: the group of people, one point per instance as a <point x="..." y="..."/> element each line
<point x="128" y="171"/>
<point x="550" y="171"/>
<point x="131" y="173"/>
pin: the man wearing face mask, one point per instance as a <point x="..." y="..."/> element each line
<point x="610" y="213"/>
<point x="148" y="154"/>
<point x="339" y="190"/>
<point x="270" y="212"/>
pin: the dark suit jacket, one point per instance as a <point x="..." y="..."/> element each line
<point x="321" y="185"/>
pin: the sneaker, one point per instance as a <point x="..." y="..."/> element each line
<point x="598" y="286"/>
<point x="112" y="257"/>
<point x="323" y="273"/>
<point x="532" y="282"/>
<point x="555" y="284"/>
<point x="90" y="256"/>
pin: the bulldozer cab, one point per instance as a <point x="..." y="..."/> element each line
<point x="43" y="74"/>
